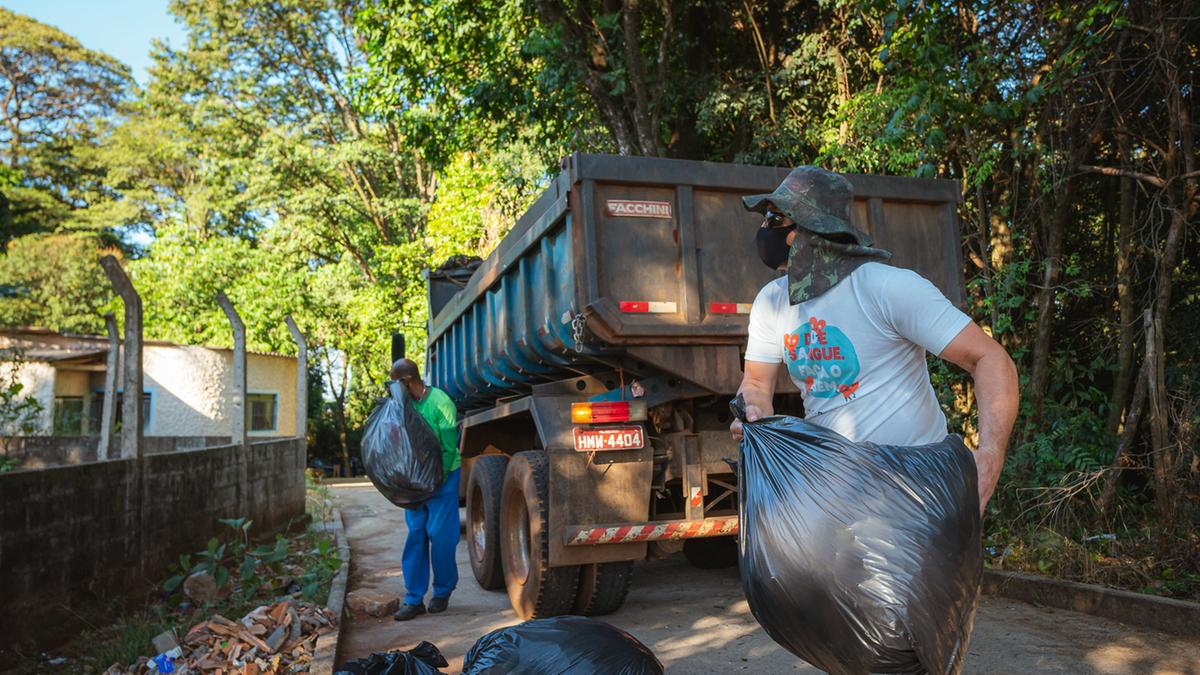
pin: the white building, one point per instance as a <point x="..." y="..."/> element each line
<point x="186" y="389"/>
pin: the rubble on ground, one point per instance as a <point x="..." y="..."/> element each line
<point x="272" y="639"/>
<point x="372" y="604"/>
<point x="201" y="588"/>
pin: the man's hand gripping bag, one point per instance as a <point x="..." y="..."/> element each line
<point x="856" y="557"/>
<point x="400" y="452"/>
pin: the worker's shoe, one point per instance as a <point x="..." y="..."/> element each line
<point x="437" y="605"/>
<point x="407" y="612"/>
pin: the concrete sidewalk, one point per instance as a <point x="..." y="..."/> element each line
<point x="697" y="621"/>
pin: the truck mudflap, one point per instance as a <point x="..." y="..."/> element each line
<point x="662" y="530"/>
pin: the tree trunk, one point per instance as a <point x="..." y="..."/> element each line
<point x="1160" y="438"/>
<point x="343" y="439"/>
<point x="764" y="58"/>
<point x="1109" y="493"/>
<point x="842" y="69"/>
<point x="1180" y="187"/>
<point x="580" y="48"/>
<point x="1056" y="226"/>
<point x="339" y="403"/>
<point x="1125" y="300"/>
<point x="631" y="23"/>
<point x="983" y="221"/>
<point x="341" y="416"/>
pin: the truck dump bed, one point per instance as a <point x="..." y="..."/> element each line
<point x="652" y="259"/>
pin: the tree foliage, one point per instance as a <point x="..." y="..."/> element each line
<point x="313" y="156"/>
<point x="53" y="281"/>
<point x="51" y="90"/>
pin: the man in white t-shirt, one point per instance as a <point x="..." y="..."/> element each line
<point x="853" y="332"/>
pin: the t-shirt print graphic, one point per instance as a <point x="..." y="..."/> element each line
<point x="823" y="358"/>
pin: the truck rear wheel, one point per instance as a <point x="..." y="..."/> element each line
<point x="535" y="589"/>
<point x="483" y="519"/>
<point x="711" y="553"/>
<point x="602" y="587"/>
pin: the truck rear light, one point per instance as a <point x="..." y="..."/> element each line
<point x="603" y="412"/>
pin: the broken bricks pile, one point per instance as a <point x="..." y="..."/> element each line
<point x="272" y="639"/>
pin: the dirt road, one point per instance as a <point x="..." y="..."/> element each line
<point x="697" y="621"/>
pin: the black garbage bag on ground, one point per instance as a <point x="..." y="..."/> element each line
<point x="856" y="557"/>
<point x="400" y="451"/>
<point x="564" y="645"/>
<point x="424" y="659"/>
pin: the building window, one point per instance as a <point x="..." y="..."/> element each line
<point x="261" y="411"/>
<point x="96" y="411"/>
<point x="68" y="415"/>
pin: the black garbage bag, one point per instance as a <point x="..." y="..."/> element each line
<point x="567" y="645"/>
<point x="400" y="451"/>
<point x="424" y="659"/>
<point x="856" y="557"/>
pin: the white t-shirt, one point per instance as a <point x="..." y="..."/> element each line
<point x="857" y="352"/>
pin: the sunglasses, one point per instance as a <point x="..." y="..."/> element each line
<point x="775" y="219"/>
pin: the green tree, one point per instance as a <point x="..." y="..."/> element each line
<point x="51" y="90"/>
<point x="250" y="157"/>
<point x="55" y="282"/>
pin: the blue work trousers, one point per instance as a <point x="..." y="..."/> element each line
<point x="432" y="535"/>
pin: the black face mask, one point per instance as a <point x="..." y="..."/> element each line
<point x="772" y="245"/>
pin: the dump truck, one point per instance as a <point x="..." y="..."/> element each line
<point x="593" y="355"/>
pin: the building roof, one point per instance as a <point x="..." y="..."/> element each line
<point x="56" y="354"/>
<point x="68" y="354"/>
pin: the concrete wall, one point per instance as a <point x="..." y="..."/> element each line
<point x="75" y="540"/>
<point x="41" y="452"/>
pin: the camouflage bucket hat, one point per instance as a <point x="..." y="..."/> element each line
<point x="815" y="199"/>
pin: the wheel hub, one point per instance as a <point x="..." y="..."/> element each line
<point x="516" y="531"/>
<point x="477" y="526"/>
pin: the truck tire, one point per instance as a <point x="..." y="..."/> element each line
<point x="483" y="519"/>
<point x="711" y="553"/>
<point x="602" y="587"/>
<point x="535" y="589"/>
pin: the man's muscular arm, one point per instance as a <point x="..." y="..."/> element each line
<point x="996" y="394"/>
<point x="758" y="389"/>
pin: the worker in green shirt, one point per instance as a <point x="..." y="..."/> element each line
<point x="432" y="526"/>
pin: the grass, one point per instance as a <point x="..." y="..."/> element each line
<point x="125" y="642"/>
<point x="1132" y="560"/>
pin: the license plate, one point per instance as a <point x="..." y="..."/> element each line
<point x="623" y="438"/>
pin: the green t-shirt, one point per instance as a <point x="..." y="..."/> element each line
<point x="439" y="411"/>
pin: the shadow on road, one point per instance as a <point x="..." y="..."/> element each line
<point x="697" y="621"/>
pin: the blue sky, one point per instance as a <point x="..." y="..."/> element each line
<point x="120" y="28"/>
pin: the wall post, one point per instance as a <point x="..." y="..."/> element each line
<point x="237" y="410"/>
<point x="301" y="377"/>
<point x="131" y="404"/>
<point x="108" y="414"/>
<point x="237" y="407"/>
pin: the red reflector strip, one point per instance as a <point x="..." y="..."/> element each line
<point x="640" y="307"/>
<point x="729" y="308"/>
<point x="633" y="533"/>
